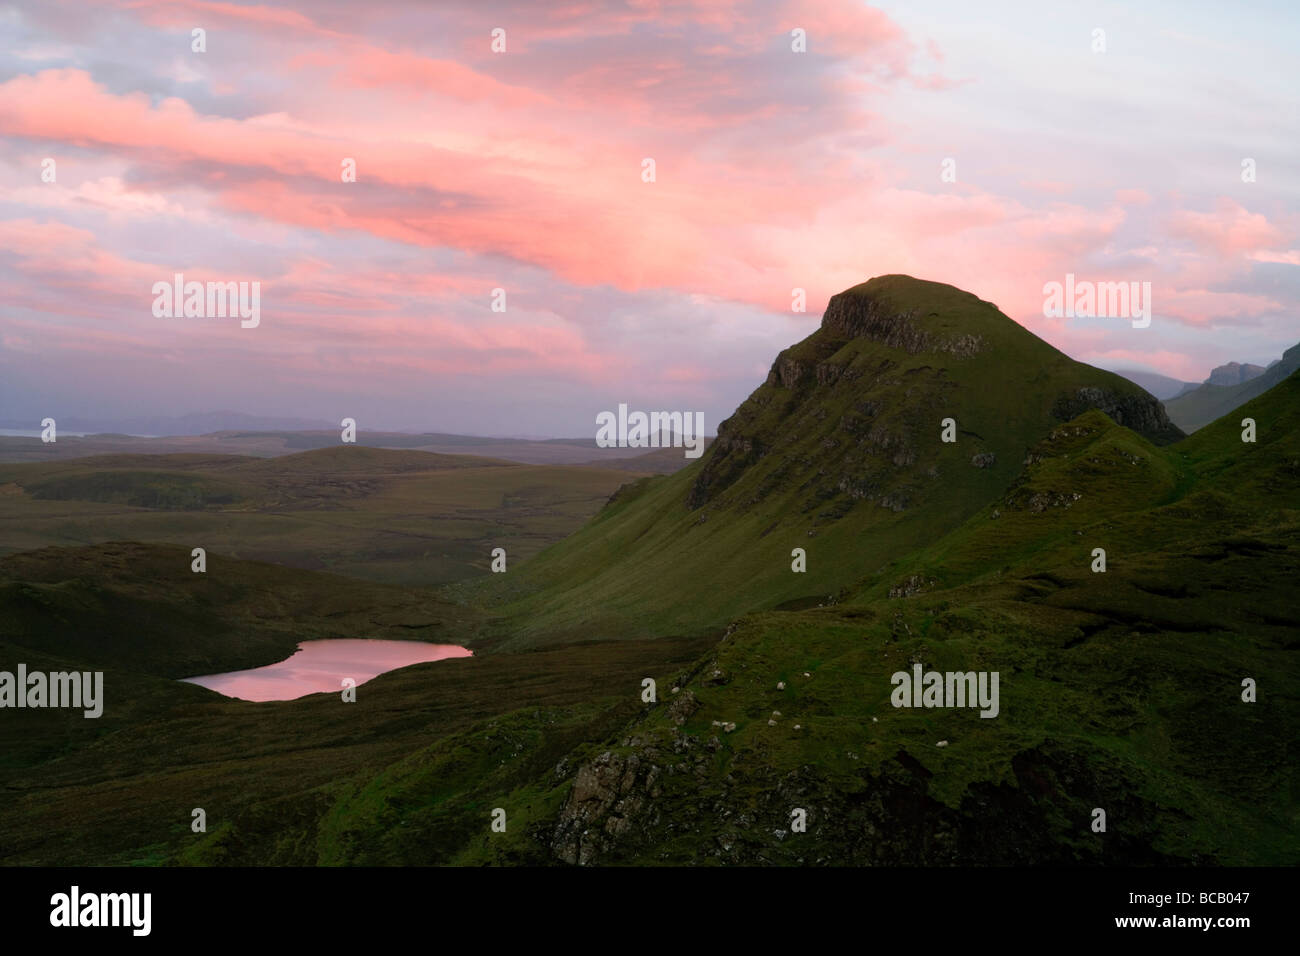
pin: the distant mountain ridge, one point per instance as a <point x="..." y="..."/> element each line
<point x="1229" y="386"/>
<point x="1161" y="386"/>
<point x="197" y="423"/>
<point x="1234" y="373"/>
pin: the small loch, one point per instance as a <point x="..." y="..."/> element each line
<point x="320" y="667"/>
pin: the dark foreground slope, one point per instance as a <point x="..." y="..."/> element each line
<point x="120" y="789"/>
<point x="839" y="452"/>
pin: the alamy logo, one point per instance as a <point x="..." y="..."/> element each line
<point x="639" y="430"/>
<point x="213" y="300"/>
<point x="1104" y="300"/>
<point x="103" y="909"/>
<point x="57" y="689"/>
<point x="953" y="689"/>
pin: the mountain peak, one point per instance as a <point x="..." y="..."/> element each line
<point x="895" y="310"/>
<point x="1234" y="373"/>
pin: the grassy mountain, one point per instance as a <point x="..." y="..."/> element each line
<point x="1200" y="406"/>
<point x="839" y="452"/>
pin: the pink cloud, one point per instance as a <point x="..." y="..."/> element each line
<point x="1231" y="230"/>
<point x="1133" y="197"/>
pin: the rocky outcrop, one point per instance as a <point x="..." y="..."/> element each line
<point x="621" y="810"/>
<point x="851" y="316"/>
<point x="609" y="795"/>
<point x="787" y="372"/>
<point x="1141" y="412"/>
<point x="729" y="457"/>
<point x="1234" y="373"/>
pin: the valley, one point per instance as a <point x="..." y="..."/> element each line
<point x="1118" y="689"/>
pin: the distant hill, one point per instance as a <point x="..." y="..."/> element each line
<point x="1161" y="386"/>
<point x="1234" y="373"/>
<point x="396" y="516"/>
<point x="269" y="442"/>
<point x="201" y="423"/>
<point x="1228" y="387"/>
<point x="658" y="461"/>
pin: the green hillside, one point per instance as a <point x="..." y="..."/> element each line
<point x="839" y="453"/>
<point x="1120" y="690"/>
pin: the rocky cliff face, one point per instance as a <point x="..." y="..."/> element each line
<point x="850" y="316"/>
<point x="1141" y="413"/>
<point x="1234" y="373"/>
<point x="628" y="806"/>
<point x="1228" y="387"/>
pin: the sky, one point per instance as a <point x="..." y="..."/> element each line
<point x="1103" y="140"/>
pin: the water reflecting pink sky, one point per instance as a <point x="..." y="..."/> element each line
<point x="320" y="666"/>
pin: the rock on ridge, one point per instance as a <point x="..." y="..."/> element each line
<point x="855" y="315"/>
<point x="1141" y="413"/>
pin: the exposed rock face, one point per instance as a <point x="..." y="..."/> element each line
<point x="1141" y="413"/>
<point x="888" y="819"/>
<point x="914" y="584"/>
<point x="683" y="707"/>
<point x="786" y="372"/>
<point x="857" y="316"/>
<point x="608" y="795"/>
<point x="1234" y="373"/>
<point x="729" y="457"/>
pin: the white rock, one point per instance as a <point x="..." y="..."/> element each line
<point x="806" y="674"/>
<point x="776" y="713"/>
<point x="942" y="743"/>
<point x="771" y="723"/>
<point x="676" y="689"/>
<point x="780" y="685"/>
